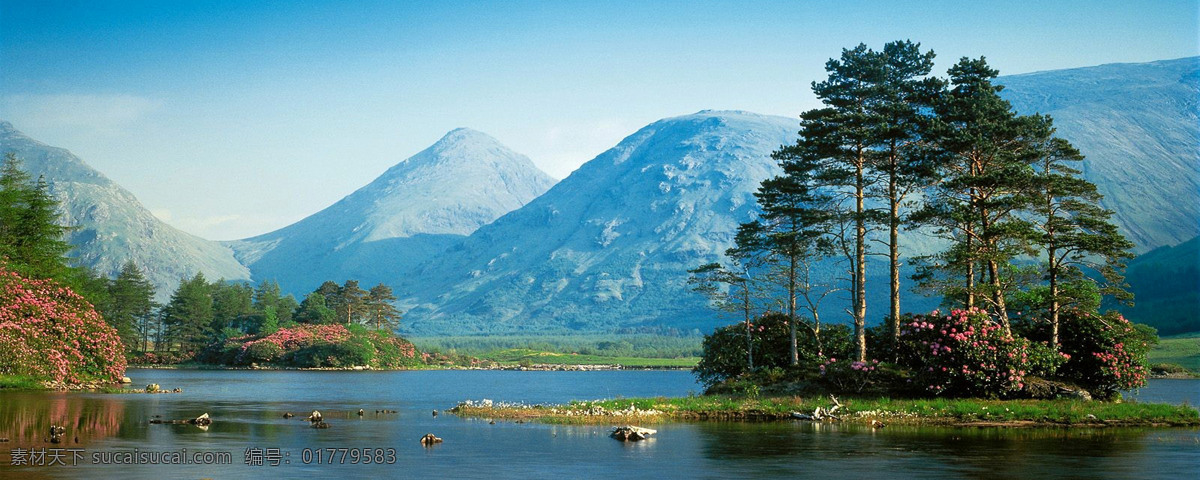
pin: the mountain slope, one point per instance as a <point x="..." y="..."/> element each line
<point x="1139" y="126"/>
<point x="610" y="245"/>
<point x="413" y="211"/>
<point x="1166" y="287"/>
<point x="112" y="226"/>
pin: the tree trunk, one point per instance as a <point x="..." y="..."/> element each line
<point x="894" y="257"/>
<point x="795" y="354"/>
<point x="860" y="257"/>
<point x="1052" y="272"/>
<point x="998" y="295"/>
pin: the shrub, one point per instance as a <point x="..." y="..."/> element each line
<point x="260" y="352"/>
<point x="1107" y="353"/>
<point x="964" y="353"/>
<point x="50" y="333"/>
<point x="848" y="376"/>
<point x="724" y="352"/>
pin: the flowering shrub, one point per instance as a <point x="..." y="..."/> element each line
<point x="309" y="345"/>
<point x="964" y="353"/>
<point x="1106" y="353"/>
<point x="847" y="375"/>
<point x="49" y="332"/>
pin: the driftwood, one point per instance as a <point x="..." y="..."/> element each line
<point x="821" y="414"/>
<point x="631" y="433"/>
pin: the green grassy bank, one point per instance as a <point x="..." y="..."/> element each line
<point x="866" y="410"/>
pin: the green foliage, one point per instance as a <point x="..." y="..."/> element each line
<point x="188" y="317"/>
<point x="724" y="352"/>
<point x="1107" y="352"/>
<point x="31" y="238"/>
<point x="314" y="310"/>
<point x="130" y="307"/>
<point x="262" y="352"/>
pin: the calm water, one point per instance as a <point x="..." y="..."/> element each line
<point x="247" y="409"/>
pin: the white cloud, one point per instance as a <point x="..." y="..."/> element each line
<point x="561" y="149"/>
<point x="96" y="113"/>
<point x="162" y="214"/>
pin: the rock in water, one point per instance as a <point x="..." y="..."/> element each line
<point x="631" y="433"/>
<point x="430" y="439"/>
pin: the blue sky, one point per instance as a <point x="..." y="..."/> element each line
<point x="231" y="119"/>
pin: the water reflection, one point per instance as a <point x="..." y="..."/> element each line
<point x="26" y="417"/>
<point x="247" y="410"/>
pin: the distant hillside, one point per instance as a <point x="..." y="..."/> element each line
<point x="112" y="226"/>
<point x="406" y="216"/>
<point x="1166" y="286"/>
<point x="1139" y="126"/>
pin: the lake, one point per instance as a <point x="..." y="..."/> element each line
<point x="249" y="434"/>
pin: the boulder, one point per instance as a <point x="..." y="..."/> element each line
<point x="126" y="380"/>
<point x="430" y="439"/>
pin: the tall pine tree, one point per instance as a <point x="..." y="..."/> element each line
<point x="130" y="308"/>
<point x="1074" y="230"/>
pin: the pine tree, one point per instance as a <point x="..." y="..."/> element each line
<point x="382" y="313"/>
<point x="1074" y="229"/>
<point x="839" y="139"/>
<point x="902" y="101"/>
<point x="315" y="309"/>
<point x="131" y="307"/>
<point x="188" y="317"/>
<point x="31" y="237"/>
<point x="788" y="231"/>
<point x="233" y="307"/>
<point x="986" y="162"/>
<point x="737" y="294"/>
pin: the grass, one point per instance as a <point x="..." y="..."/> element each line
<point x="526" y="356"/>
<point x="935" y="411"/>
<point x="20" y="382"/>
<point x="1183" y="350"/>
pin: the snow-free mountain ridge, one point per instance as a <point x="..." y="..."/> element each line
<point x="112" y="227"/>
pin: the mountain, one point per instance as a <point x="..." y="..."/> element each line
<point x="112" y="227"/>
<point x="609" y="246"/>
<point x="413" y="211"/>
<point x="1166" y="287"/>
<point x="1139" y="126"/>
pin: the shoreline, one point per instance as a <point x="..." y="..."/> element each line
<point x="527" y="368"/>
<point x="875" y="412"/>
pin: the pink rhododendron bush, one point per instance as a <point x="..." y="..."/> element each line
<point x="315" y="346"/>
<point x="963" y="353"/>
<point x="1107" y="352"/>
<point x="50" y="333"/>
